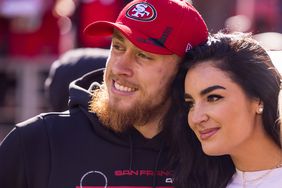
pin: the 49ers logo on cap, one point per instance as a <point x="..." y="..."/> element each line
<point x="141" y="12"/>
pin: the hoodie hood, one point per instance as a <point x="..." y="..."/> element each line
<point x="79" y="89"/>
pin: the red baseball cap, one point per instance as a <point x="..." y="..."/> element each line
<point x="157" y="26"/>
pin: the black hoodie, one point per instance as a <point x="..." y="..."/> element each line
<point x="72" y="149"/>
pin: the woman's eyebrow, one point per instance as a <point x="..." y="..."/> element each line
<point x="210" y="89"/>
<point x="204" y="91"/>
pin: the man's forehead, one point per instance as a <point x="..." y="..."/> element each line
<point x="117" y="34"/>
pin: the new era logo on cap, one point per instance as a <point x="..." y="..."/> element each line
<point x="142" y="12"/>
<point x="157" y="26"/>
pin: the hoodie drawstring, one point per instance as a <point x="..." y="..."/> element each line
<point x="154" y="184"/>
<point x="156" y="166"/>
<point x="131" y="152"/>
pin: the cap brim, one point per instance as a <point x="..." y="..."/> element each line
<point x="98" y="29"/>
<point x="105" y="28"/>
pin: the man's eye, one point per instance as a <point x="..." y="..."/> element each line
<point x="214" y="98"/>
<point x="144" y="56"/>
<point x="117" y="47"/>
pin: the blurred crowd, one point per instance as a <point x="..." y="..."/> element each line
<point x="51" y="27"/>
<point x="31" y="30"/>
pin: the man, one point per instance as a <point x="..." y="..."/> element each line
<point x="117" y="140"/>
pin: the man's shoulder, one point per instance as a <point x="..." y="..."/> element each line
<point x="67" y="122"/>
<point x="41" y="119"/>
<point x="52" y="121"/>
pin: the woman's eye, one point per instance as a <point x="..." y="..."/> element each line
<point x="214" y="98"/>
<point x="188" y="104"/>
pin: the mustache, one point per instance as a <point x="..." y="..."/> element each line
<point x="121" y="79"/>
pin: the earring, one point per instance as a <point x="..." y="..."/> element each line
<point x="260" y="109"/>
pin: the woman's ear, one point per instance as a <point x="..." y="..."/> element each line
<point x="260" y="107"/>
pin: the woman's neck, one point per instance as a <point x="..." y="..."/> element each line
<point x="259" y="154"/>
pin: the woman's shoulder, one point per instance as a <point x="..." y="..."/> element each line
<point x="264" y="178"/>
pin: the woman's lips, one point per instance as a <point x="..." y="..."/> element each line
<point x="207" y="133"/>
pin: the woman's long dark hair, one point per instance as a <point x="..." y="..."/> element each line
<point x="248" y="65"/>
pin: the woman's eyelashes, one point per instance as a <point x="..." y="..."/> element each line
<point x="189" y="102"/>
<point x="188" y="105"/>
<point x="214" y="97"/>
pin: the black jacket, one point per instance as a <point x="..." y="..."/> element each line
<point x="72" y="149"/>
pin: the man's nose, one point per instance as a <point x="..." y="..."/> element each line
<point x="123" y="65"/>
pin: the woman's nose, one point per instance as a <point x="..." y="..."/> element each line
<point x="197" y="115"/>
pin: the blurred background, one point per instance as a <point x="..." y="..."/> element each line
<point x="35" y="33"/>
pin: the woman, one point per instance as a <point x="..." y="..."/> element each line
<point x="231" y="93"/>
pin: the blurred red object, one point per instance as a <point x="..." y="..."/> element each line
<point x="43" y="41"/>
<point x="263" y="14"/>
<point x="94" y="10"/>
<point x="32" y="28"/>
